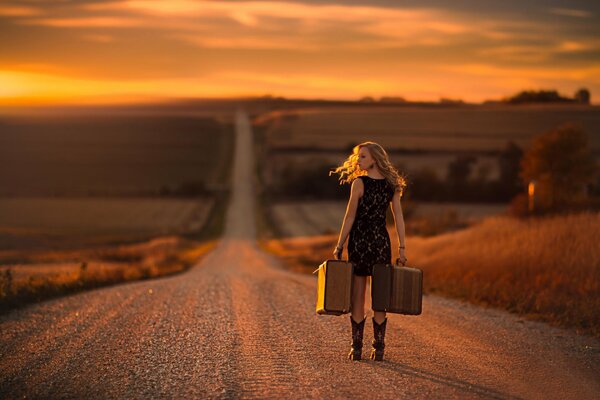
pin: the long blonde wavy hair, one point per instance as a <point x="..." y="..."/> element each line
<point x="349" y="171"/>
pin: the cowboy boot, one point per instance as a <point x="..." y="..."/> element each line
<point x="357" y="339"/>
<point x="379" y="340"/>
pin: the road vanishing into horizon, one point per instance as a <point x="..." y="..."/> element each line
<point x="239" y="325"/>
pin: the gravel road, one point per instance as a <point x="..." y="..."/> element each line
<point x="238" y="325"/>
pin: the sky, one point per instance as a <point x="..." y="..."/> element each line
<point x="61" y="51"/>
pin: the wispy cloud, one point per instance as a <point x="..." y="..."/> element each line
<point x="572" y="46"/>
<point x="84" y="22"/>
<point x="276" y="25"/>
<point x="539" y="53"/>
<point x="571" y="12"/>
<point x="245" y="19"/>
<point x="589" y="73"/>
<point x="270" y="25"/>
<point x="19" y="11"/>
<point x="99" y="38"/>
<point x="247" y="42"/>
<point x="521" y="53"/>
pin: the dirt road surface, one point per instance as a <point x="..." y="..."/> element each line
<point x="238" y="325"/>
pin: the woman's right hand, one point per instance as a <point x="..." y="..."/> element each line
<point x="337" y="253"/>
<point x="402" y="258"/>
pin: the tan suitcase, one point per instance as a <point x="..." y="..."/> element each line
<point x="334" y="287"/>
<point x="397" y="289"/>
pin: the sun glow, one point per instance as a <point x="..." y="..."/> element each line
<point x="185" y="48"/>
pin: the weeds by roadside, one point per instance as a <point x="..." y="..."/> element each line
<point x="49" y="277"/>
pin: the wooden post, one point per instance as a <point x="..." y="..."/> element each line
<point x="531" y="192"/>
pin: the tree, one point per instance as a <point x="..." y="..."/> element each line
<point x="582" y="96"/>
<point x="458" y="174"/>
<point x="561" y="163"/>
<point x="509" y="163"/>
<point x="311" y="182"/>
<point x="426" y="185"/>
<point x="538" y="96"/>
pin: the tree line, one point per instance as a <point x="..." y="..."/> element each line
<point x="558" y="165"/>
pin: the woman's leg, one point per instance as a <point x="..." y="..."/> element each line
<point x="357" y="318"/>
<point x="379" y="316"/>
<point x="378" y="343"/>
<point x="379" y="327"/>
<point x="358" y="297"/>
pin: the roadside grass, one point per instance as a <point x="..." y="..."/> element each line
<point x="54" y="274"/>
<point x="28" y="276"/>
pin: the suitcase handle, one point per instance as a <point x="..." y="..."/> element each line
<point x="397" y="262"/>
<point x="328" y="260"/>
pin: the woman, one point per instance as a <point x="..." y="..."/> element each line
<point x="375" y="183"/>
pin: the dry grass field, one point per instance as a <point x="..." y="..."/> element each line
<point x="416" y="137"/>
<point x="75" y="155"/>
<point x="544" y="268"/>
<point x="427" y="128"/>
<point x="27" y="223"/>
<point x="39" y="275"/>
<point x="86" y="178"/>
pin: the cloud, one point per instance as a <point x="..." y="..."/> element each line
<point x="99" y="38"/>
<point x="304" y="26"/>
<point x="521" y="53"/>
<point x="279" y="25"/>
<point x="275" y="9"/>
<point x="18" y="11"/>
<point x="85" y="22"/>
<point x="572" y="45"/>
<point x="538" y="53"/>
<point x="245" y="19"/>
<point x="570" y="12"/>
<point x="587" y="73"/>
<point x="247" y="42"/>
<point x="164" y="8"/>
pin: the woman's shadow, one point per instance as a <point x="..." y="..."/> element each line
<point x="443" y="380"/>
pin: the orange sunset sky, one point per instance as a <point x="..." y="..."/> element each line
<point x="61" y="51"/>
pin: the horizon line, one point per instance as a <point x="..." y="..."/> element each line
<point x="145" y="100"/>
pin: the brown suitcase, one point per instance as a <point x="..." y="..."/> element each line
<point x="334" y="287"/>
<point x="381" y="287"/>
<point x="397" y="289"/>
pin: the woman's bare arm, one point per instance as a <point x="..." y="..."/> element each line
<point x="356" y="192"/>
<point x="398" y="218"/>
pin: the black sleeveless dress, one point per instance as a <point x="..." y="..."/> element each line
<point x="369" y="241"/>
